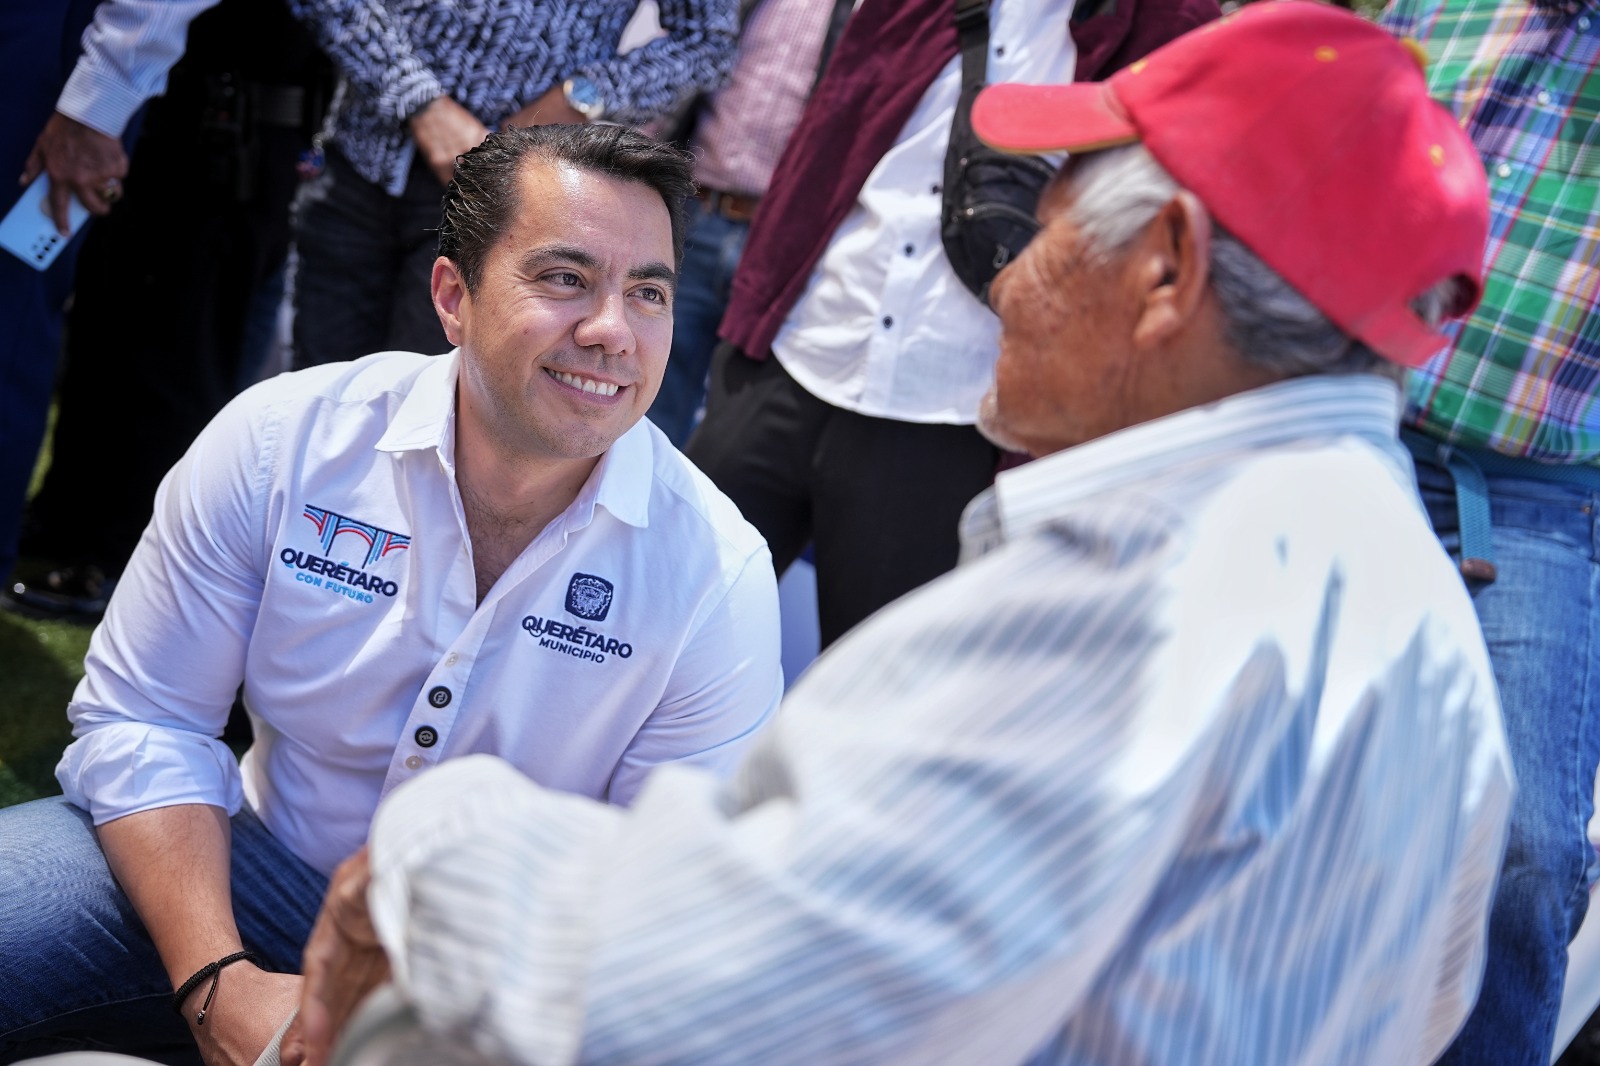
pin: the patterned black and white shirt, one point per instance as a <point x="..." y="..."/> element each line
<point x="494" y="56"/>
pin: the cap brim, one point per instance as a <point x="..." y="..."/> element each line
<point x="1034" y="119"/>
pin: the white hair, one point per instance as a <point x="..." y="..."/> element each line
<point x="1120" y="190"/>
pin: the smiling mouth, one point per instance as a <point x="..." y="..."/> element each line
<point x="599" y="388"/>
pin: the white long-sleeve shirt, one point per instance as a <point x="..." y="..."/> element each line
<point x="1201" y="764"/>
<point x="884" y="327"/>
<point x="127" y="51"/>
<point x="312" y="545"/>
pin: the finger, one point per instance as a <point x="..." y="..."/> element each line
<point x="60" y="198"/>
<point x="33" y="167"/>
<point x="316" y="1033"/>
<point x="292" y="1048"/>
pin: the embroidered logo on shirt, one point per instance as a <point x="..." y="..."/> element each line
<point x="589" y="597"/>
<point x="580" y="642"/>
<point x="353" y="582"/>
<point x="380" y="542"/>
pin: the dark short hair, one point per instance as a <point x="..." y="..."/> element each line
<point x="478" y="203"/>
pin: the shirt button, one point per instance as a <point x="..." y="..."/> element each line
<point x="888" y="321"/>
<point x="426" y="736"/>
<point x="414" y="762"/>
<point x="439" y="696"/>
<point x="911" y="249"/>
<point x="450" y="660"/>
<point x="1543" y="97"/>
<point x="936" y="189"/>
<point x="1504" y="170"/>
<point x="1583" y="23"/>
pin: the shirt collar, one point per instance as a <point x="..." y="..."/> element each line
<point x="426" y="418"/>
<point x="1317" y="406"/>
<point x="624" y="476"/>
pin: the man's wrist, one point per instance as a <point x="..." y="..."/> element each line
<point x="208" y="977"/>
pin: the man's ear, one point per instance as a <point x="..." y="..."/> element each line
<point x="1172" y="268"/>
<point x="449" y="291"/>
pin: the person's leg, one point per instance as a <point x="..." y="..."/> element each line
<point x="38" y="47"/>
<point x="413" y="323"/>
<point x="135" y="371"/>
<point x="889" y="497"/>
<point x="756" y="443"/>
<point x="80" y="972"/>
<point x="710" y="256"/>
<point x="346" y="269"/>
<point x="1540" y="622"/>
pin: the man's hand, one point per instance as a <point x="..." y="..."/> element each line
<point x="343" y="963"/>
<point x="249" y="1006"/>
<point x="443" y="130"/>
<point x="81" y="162"/>
<point x="551" y="109"/>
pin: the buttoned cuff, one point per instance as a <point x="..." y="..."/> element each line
<point x="102" y="99"/>
<point x="120" y="769"/>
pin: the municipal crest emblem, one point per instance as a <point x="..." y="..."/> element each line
<point x="589" y="597"/>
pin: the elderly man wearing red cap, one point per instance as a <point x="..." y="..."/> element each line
<point x="1195" y="760"/>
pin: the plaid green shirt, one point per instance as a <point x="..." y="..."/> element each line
<point x="1522" y="375"/>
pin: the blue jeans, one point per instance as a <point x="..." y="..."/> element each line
<point x="77" y="968"/>
<point x="710" y="256"/>
<point x="1541" y="620"/>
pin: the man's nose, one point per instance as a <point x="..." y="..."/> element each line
<point x="606" y="326"/>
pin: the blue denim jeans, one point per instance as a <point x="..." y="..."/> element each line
<point x="1541" y="620"/>
<point x="77" y="969"/>
<point x="710" y="256"/>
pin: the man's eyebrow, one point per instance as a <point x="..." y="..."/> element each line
<point x="552" y="254"/>
<point x="654" y="272"/>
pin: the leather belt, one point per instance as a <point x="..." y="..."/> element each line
<point x="729" y="205"/>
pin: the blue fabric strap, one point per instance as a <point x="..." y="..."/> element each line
<point x="1472" y="501"/>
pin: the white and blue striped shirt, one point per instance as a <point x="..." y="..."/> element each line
<point x="1201" y="763"/>
<point x="127" y="51"/>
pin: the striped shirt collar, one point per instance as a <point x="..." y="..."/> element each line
<point x="426" y="419"/>
<point x="1299" y="409"/>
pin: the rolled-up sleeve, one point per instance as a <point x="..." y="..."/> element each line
<point x="164" y="665"/>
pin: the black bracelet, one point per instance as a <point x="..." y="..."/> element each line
<point x="212" y="970"/>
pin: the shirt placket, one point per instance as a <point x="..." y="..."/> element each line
<point x="432" y="719"/>
<point x="424" y="741"/>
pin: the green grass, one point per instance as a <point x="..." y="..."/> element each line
<point x="40" y="664"/>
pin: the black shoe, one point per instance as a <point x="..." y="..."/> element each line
<point x="70" y="593"/>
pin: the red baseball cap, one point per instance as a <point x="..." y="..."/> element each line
<point x="1309" y="134"/>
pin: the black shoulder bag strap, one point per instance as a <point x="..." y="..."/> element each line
<point x="987" y="215"/>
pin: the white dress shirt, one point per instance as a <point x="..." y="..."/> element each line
<point x="127" y="51"/>
<point x="312" y="544"/>
<point x="1200" y="765"/>
<point x="885" y="328"/>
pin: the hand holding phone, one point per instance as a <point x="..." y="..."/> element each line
<point x="29" y="233"/>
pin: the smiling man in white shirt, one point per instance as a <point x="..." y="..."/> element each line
<point x="1196" y="760"/>
<point x="403" y="560"/>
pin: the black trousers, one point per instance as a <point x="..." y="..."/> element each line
<point x="880" y="500"/>
<point x="364" y="281"/>
<point x="153" y="341"/>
